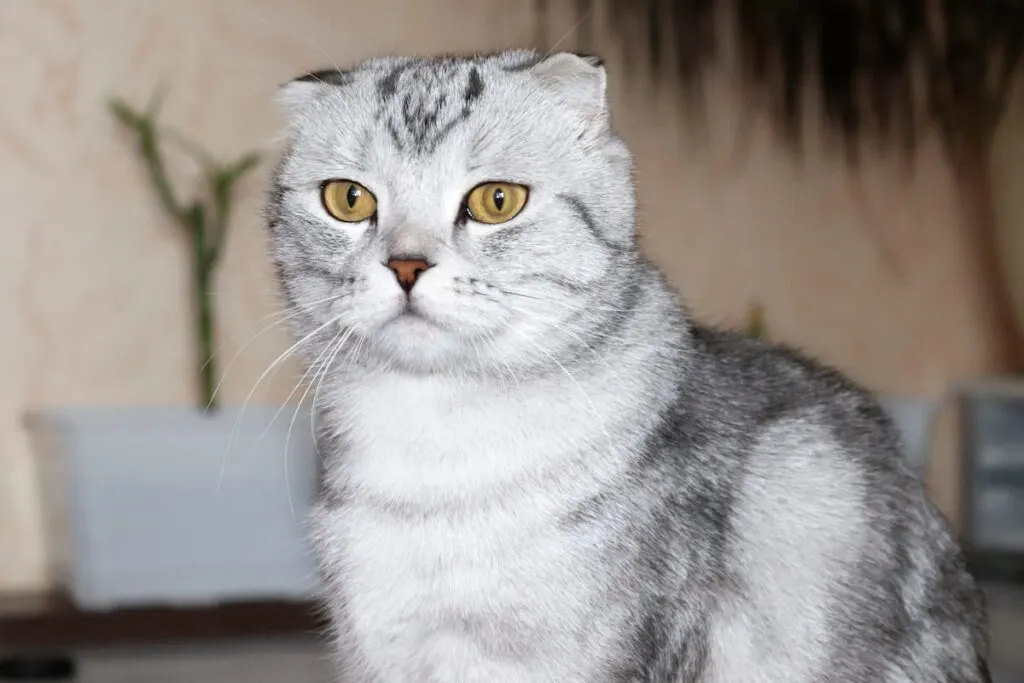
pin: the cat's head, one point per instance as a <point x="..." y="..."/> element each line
<point x="447" y="214"/>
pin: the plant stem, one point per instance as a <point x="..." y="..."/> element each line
<point x="204" y="324"/>
<point x="207" y="369"/>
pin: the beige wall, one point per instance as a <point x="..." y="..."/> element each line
<point x="864" y="270"/>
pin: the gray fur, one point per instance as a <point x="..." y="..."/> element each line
<point x="538" y="466"/>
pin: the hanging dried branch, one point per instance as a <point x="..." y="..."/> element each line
<point x="884" y="72"/>
<point x="867" y="58"/>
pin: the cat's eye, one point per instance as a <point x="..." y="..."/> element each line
<point x="496" y="202"/>
<point x="347" y="200"/>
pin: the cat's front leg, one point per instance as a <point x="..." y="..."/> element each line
<point x="455" y="658"/>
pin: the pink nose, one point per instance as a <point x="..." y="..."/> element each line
<point x="408" y="270"/>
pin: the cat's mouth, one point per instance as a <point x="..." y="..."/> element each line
<point x="414" y="315"/>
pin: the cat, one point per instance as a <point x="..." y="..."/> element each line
<point x="536" y="465"/>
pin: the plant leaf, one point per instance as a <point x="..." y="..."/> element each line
<point x="124" y="113"/>
<point x="245" y="164"/>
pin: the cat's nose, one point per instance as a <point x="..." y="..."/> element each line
<point x="408" y="269"/>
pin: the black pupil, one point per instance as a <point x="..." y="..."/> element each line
<point x="352" y="196"/>
<point x="499" y="198"/>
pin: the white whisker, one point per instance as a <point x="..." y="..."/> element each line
<point x="283" y="316"/>
<point x="562" y="328"/>
<point x="276" y="363"/>
<point x="583" y="393"/>
<point x="564" y="302"/>
<point x="310" y="367"/>
<point x="331" y="352"/>
<point x="586" y="15"/>
<point x="319" y="384"/>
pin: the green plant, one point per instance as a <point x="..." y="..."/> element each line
<point x="204" y="218"/>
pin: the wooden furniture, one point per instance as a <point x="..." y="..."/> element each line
<point x="51" y="622"/>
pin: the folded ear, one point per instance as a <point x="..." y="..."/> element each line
<point x="580" y="80"/>
<point x="294" y="96"/>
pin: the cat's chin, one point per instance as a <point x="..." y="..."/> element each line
<point x="413" y="328"/>
<point x="417" y="344"/>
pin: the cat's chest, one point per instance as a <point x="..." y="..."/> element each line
<point x="456" y="507"/>
<point x="506" y="580"/>
<point x="416" y="441"/>
<point x="454" y="538"/>
<point x="465" y="563"/>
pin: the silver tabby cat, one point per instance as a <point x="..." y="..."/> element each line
<point x="536" y="466"/>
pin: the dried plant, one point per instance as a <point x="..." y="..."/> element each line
<point x="886" y="73"/>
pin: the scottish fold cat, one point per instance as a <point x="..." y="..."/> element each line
<point x="536" y="465"/>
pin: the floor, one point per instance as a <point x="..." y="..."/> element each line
<point x="266" y="661"/>
<point x="302" y="659"/>
<point x="1006" y="627"/>
<point x="273" y="660"/>
<point x="262" y="662"/>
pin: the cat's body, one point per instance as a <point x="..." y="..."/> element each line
<point x="536" y="467"/>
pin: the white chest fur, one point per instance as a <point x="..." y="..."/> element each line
<point x="452" y="558"/>
<point x="415" y="438"/>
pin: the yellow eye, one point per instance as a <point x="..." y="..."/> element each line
<point x="347" y="200"/>
<point x="496" y="202"/>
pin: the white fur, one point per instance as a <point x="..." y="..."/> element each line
<point x="791" y="558"/>
<point x="508" y="459"/>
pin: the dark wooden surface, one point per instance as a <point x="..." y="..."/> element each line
<point x="1004" y="568"/>
<point x="51" y="621"/>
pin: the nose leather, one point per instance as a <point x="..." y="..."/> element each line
<point x="407" y="270"/>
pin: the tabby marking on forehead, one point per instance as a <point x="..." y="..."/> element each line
<point x="421" y="102"/>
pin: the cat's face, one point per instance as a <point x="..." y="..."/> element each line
<point x="451" y="213"/>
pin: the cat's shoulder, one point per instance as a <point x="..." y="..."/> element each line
<point x="749" y="358"/>
<point x="768" y="368"/>
<point x="765" y="383"/>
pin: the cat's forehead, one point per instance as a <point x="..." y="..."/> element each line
<point x="474" y="110"/>
<point x="453" y="79"/>
<point x="420" y="102"/>
<point x="415" y="102"/>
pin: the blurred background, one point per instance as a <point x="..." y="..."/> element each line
<point x="840" y="176"/>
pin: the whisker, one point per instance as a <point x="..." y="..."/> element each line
<point x="331" y="352"/>
<point x="512" y="374"/>
<point x="563" y="302"/>
<point x="277" y="362"/>
<point x="306" y="307"/>
<point x="309" y="369"/>
<point x="319" y="385"/>
<point x="479" y="357"/>
<point x="585" y="17"/>
<point x="583" y="393"/>
<point x="284" y="317"/>
<point x="556" y="325"/>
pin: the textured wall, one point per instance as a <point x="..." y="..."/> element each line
<point x="865" y="270"/>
